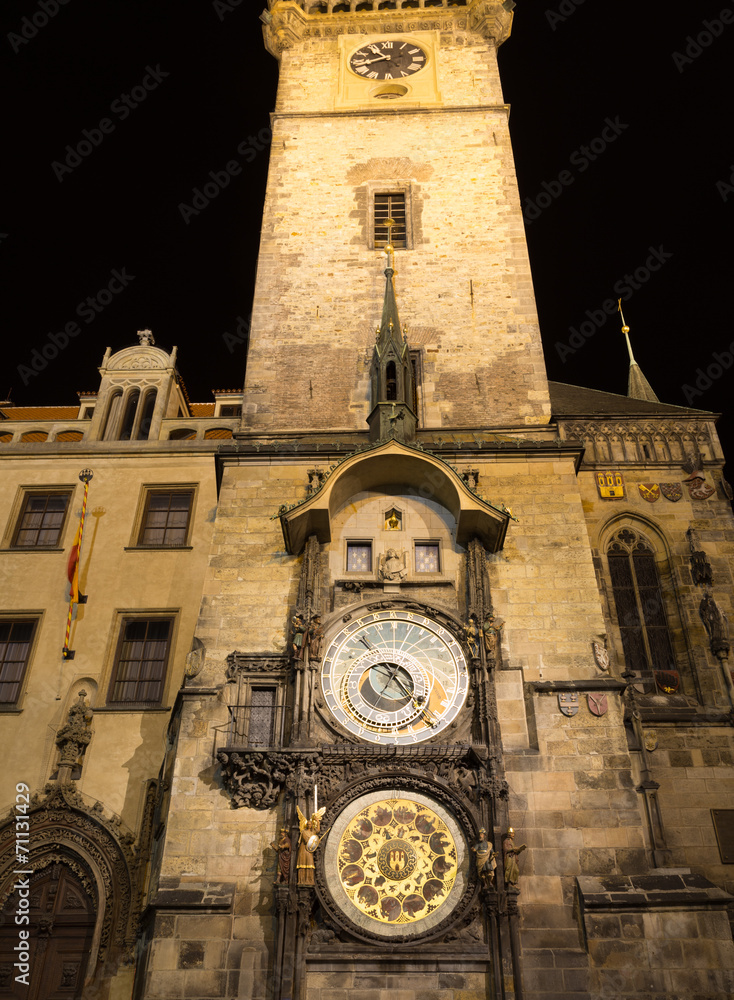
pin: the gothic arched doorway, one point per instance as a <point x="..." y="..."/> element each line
<point x="62" y="919"/>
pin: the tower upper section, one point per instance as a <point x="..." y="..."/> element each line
<point x="387" y="111"/>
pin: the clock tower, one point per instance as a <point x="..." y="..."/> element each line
<point x="400" y="567"/>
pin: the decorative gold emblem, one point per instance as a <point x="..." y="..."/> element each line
<point x="397" y="861"/>
<point x="649" y="491"/>
<point x="610" y="485"/>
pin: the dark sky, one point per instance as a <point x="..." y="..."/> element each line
<point x="647" y="182"/>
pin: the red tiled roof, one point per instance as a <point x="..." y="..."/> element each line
<point x="40" y="412"/>
<point x="202" y="409"/>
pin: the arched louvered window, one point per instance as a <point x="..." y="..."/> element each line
<point x="639" y="604"/>
<point x="146" y="417"/>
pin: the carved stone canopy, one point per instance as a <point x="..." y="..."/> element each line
<point x="386" y="467"/>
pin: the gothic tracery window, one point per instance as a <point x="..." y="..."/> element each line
<point x="639" y="602"/>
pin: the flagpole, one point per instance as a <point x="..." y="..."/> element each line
<point x="85" y="476"/>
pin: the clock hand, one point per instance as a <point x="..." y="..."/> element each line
<point x="367" y="62"/>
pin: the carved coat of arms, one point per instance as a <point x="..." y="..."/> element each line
<point x="610" y="485"/>
<point x="601" y="655"/>
<point x="699" y="489"/>
<point x="667" y="680"/>
<point x="568" y="702"/>
<point x="598" y="703"/>
<point x="671" y="491"/>
<point x="649" y="491"/>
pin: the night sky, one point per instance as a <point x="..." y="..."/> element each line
<point x="621" y="122"/>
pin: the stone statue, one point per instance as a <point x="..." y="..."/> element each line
<point x="308" y="843"/>
<point x="392" y="566"/>
<point x="716" y="625"/>
<point x="491" y="631"/>
<point x="471" y="634"/>
<point x="511" y="853"/>
<point x="299" y="633"/>
<point x="485" y="858"/>
<point x="283" y="849"/>
<point x="315" y="637"/>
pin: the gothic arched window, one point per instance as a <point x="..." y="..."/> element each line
<point x="638" y="598"/>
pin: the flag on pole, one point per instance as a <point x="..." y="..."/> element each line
<point x="73" y="567"/>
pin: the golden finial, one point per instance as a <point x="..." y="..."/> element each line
<point x="626" y="332"/>
<point x="390" y="249"/>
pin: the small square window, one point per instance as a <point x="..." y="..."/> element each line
<point x="230" y="410"/>
<point x="140" y="663"/>
<point x="390" y="206"/>
<point x="166" y="518"/>
<point x="427" y="557"/>
<point x="359" y="557"/>
<point x="15" y="647"/>
<point x="41" y="520"/>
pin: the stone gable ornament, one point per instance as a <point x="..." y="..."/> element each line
<point x="671" y="491"/>
<point x="568" y="702"/>
<point x="649" y="491"/>
<point x="598" y="703"/>
<point x="601" y="655"/>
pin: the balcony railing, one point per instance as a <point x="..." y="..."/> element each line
<point x="356" y="6"/>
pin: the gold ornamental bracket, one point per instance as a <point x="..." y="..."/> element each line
<point x="389" y="466"/>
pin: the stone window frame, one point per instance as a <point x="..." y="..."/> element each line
<point x="421" y="574"/>
<point x="21" y="509"/>
<point x="11" y="619"/>
<point x="405" y="188"/>
<point x="140" y="522"/>
<point x="670" y="600"/>
<point x="126" y="618"/>
<point x="359" y="541"/>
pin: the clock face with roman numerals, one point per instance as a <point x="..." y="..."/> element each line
<point x="387" y="59"/>
<point x="394" y="677"/>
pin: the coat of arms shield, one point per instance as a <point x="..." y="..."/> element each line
<point x="598" y="703"/>
<point x="649" y="491"/>
<point x="671" y="491"/>
<point x="568" y="702"/>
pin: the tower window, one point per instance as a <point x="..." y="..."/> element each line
<point x="261" y="729"/>
<point x="390" y="206"/>
<point x="41" y="521"/>
<point x="391" y="381"/>
<point x="638" y="599"/>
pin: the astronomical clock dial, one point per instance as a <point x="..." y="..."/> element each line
<point x="394" y="677"/>
<point x="387" y="59"/>
<point x="396" y="863"/>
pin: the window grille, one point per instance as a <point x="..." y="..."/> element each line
<point x="390" y="206"/>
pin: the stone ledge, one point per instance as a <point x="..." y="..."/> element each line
<point x="614" y="892"/>
<point x="592" y="684"/>
<point x="176" y="895"/>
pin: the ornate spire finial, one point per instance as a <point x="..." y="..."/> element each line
<point x="146" y="338"/>
<point x="637" y="385"/>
